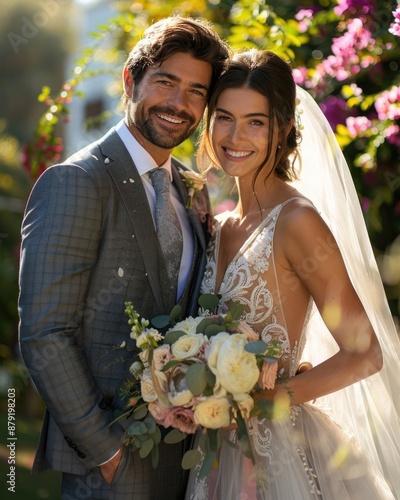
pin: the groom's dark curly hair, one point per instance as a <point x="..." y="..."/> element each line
<point x="175" y="34"/>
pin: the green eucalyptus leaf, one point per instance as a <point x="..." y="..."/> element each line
<point x="146" y="448"/>
<point x="173" y="336"/>
<point x="210" y="377"/>
<point x="150" y="424"/>
<point x="156" y="436"/>
<point x="160" y="322"/>
<point x="140" y="412"/>
<point x="211" y="330"/>
<point x="196" y="378"/>
<point x="176" y="311"/>
<point x="270" y="359"/>
<point x="256" y="347"/>
<point x="190" y="459"/>
<point x="174" y="436"/>
<point x="204" y="443"/>
<point x="214" y="436"/>
<point x="209" y="301"/>
<point x="136" y="428"/>
<point x="207" y="465"/>
<point x="204" y="323"/>
<point x="171" y="364"/>
<point x="139" y="440"/>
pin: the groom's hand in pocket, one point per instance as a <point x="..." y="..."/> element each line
<point x="109" y="469"/>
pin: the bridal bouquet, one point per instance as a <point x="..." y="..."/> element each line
<point x="199" y="375"/>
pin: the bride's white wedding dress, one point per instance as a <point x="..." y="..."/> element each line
<point x="305" y="455"/>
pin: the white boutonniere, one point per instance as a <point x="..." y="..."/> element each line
<point x="194" y="182"/>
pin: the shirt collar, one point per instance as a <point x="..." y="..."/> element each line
<point x="144" y="162"/>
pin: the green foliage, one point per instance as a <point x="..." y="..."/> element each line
<point x="309" y="42"/>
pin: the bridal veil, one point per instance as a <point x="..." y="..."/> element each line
<point x="368" y="409"/>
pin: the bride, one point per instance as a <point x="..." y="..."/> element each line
<point x="295" y="253"/>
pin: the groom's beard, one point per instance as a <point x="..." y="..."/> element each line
<point x="160" y="134"/>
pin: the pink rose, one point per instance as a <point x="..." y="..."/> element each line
<point x="268" y="375"/>
<point x="159" y="414"/>
<point x="161" y="356"/>
<point x="182" y="419"/>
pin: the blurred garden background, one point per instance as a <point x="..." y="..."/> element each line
<point x="60" y="69"/>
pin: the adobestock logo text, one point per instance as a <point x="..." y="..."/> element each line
<point x="31" y="25"/>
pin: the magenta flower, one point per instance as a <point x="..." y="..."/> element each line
<point x="387" y="104"/>
<point x="335" y="110"/>
<point x="357" y="125"/>
<point x="300" y="75"/>
<point x="395" y="26"/>
<point x="351" y="7"/>
<point x="365" y="204"/>
<point x="304" y="16"/>
<point x="392" y="135"/>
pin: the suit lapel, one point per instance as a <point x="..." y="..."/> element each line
<point x="130" y="186"/>
<point x="193" y="218"/>
<point x="189" y="296"/>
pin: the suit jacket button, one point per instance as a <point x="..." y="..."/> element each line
<point x="103" y="405"/>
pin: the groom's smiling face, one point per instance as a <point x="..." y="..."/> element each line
<point x="168" y="103"/>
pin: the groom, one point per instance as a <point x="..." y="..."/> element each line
<point x="89" y="243"/>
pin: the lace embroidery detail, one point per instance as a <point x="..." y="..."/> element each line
<point x="312" y="477"/>
<point x="250" y="279"/>
<point x="261" y="436"/>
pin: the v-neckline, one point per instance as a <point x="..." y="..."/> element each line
<point x="252" y="236"/>
<point x="241" y="250"/>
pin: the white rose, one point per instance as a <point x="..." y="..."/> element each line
<point x="246" y="404"/>
<point x="178" y="392"/>
<point x="213" y="350"/>
<point x="219" y="391"/>
<point x="188" y="325"/>
<point x="147" y="388"/>
<point x="213" y="413"/>
<point x="187" y="346"/>
<point x="237" y="369"/>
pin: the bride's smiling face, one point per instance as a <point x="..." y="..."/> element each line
<point x="240" y="132"/>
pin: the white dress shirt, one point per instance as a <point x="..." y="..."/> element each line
<point x="144" y="163"/>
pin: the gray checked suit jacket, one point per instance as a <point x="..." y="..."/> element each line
<point x="89" y="245"/>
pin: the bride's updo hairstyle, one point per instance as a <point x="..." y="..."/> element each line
<point x="271" y="76"/>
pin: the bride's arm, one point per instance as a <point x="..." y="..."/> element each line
<point x="300" y="234"/>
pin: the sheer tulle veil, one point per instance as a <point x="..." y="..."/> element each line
<point x="368" y="409"/>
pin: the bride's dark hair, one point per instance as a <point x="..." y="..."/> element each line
<point x="271" y="76"/>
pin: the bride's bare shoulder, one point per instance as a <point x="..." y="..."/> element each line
<point x="301" y="217"/>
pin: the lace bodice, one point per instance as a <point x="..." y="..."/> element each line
<point x="251" y="279"/>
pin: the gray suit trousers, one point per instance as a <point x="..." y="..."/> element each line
<point x="135" y="478"/>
